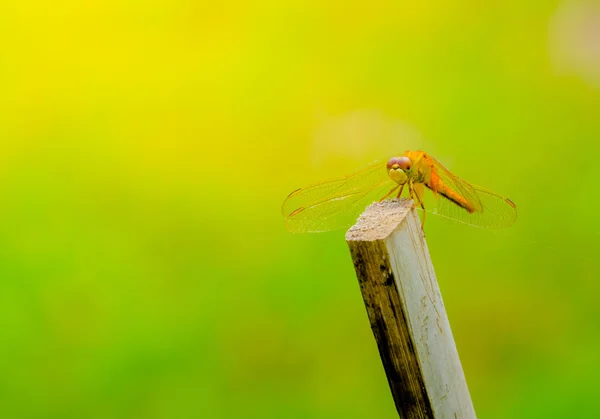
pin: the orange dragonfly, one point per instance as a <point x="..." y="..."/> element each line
<point x="338" y="203"/>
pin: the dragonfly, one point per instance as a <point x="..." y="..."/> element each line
<point x="337" y="203"/>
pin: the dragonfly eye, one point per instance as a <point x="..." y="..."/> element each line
<point x="403" y="163"/>
<point x="393" y="163"/>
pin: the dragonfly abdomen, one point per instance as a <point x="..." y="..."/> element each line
<point x="436" y="184"/>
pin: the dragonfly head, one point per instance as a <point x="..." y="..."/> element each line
<point x="399" y="169"/>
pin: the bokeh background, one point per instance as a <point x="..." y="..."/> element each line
<point x="146" y="148"/>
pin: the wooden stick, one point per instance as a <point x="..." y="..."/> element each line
<point x="407" y="314"/>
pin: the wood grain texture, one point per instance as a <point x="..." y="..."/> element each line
<point x="407" y="314"/>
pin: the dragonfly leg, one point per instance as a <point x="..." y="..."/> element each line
<point x="400" y="191"/>
<point x="419" y="204"/>
<point x="423" y="219"/>
<point x="390" y="192"/>
<point x="411" y="194"/>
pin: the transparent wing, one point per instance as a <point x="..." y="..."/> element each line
<point x="489" y="210"/>
<point x="337" y="203"/>
<point x="496" y="211"/>
<point x="459" y="186"/>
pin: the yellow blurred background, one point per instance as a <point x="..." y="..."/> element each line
<point x="146" y="148"/>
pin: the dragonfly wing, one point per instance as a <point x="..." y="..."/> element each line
<point x="463" y="189"/>
<point x="466" y="203"/>
<point x="337" y="203"/>
<point x="496" y="211"/>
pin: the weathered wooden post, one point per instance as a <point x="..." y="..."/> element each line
<point x="407" y="314"/>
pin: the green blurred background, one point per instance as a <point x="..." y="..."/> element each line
<point x="146" y="148"/>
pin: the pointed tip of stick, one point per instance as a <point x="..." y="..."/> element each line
<point x="379" y="220"/>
